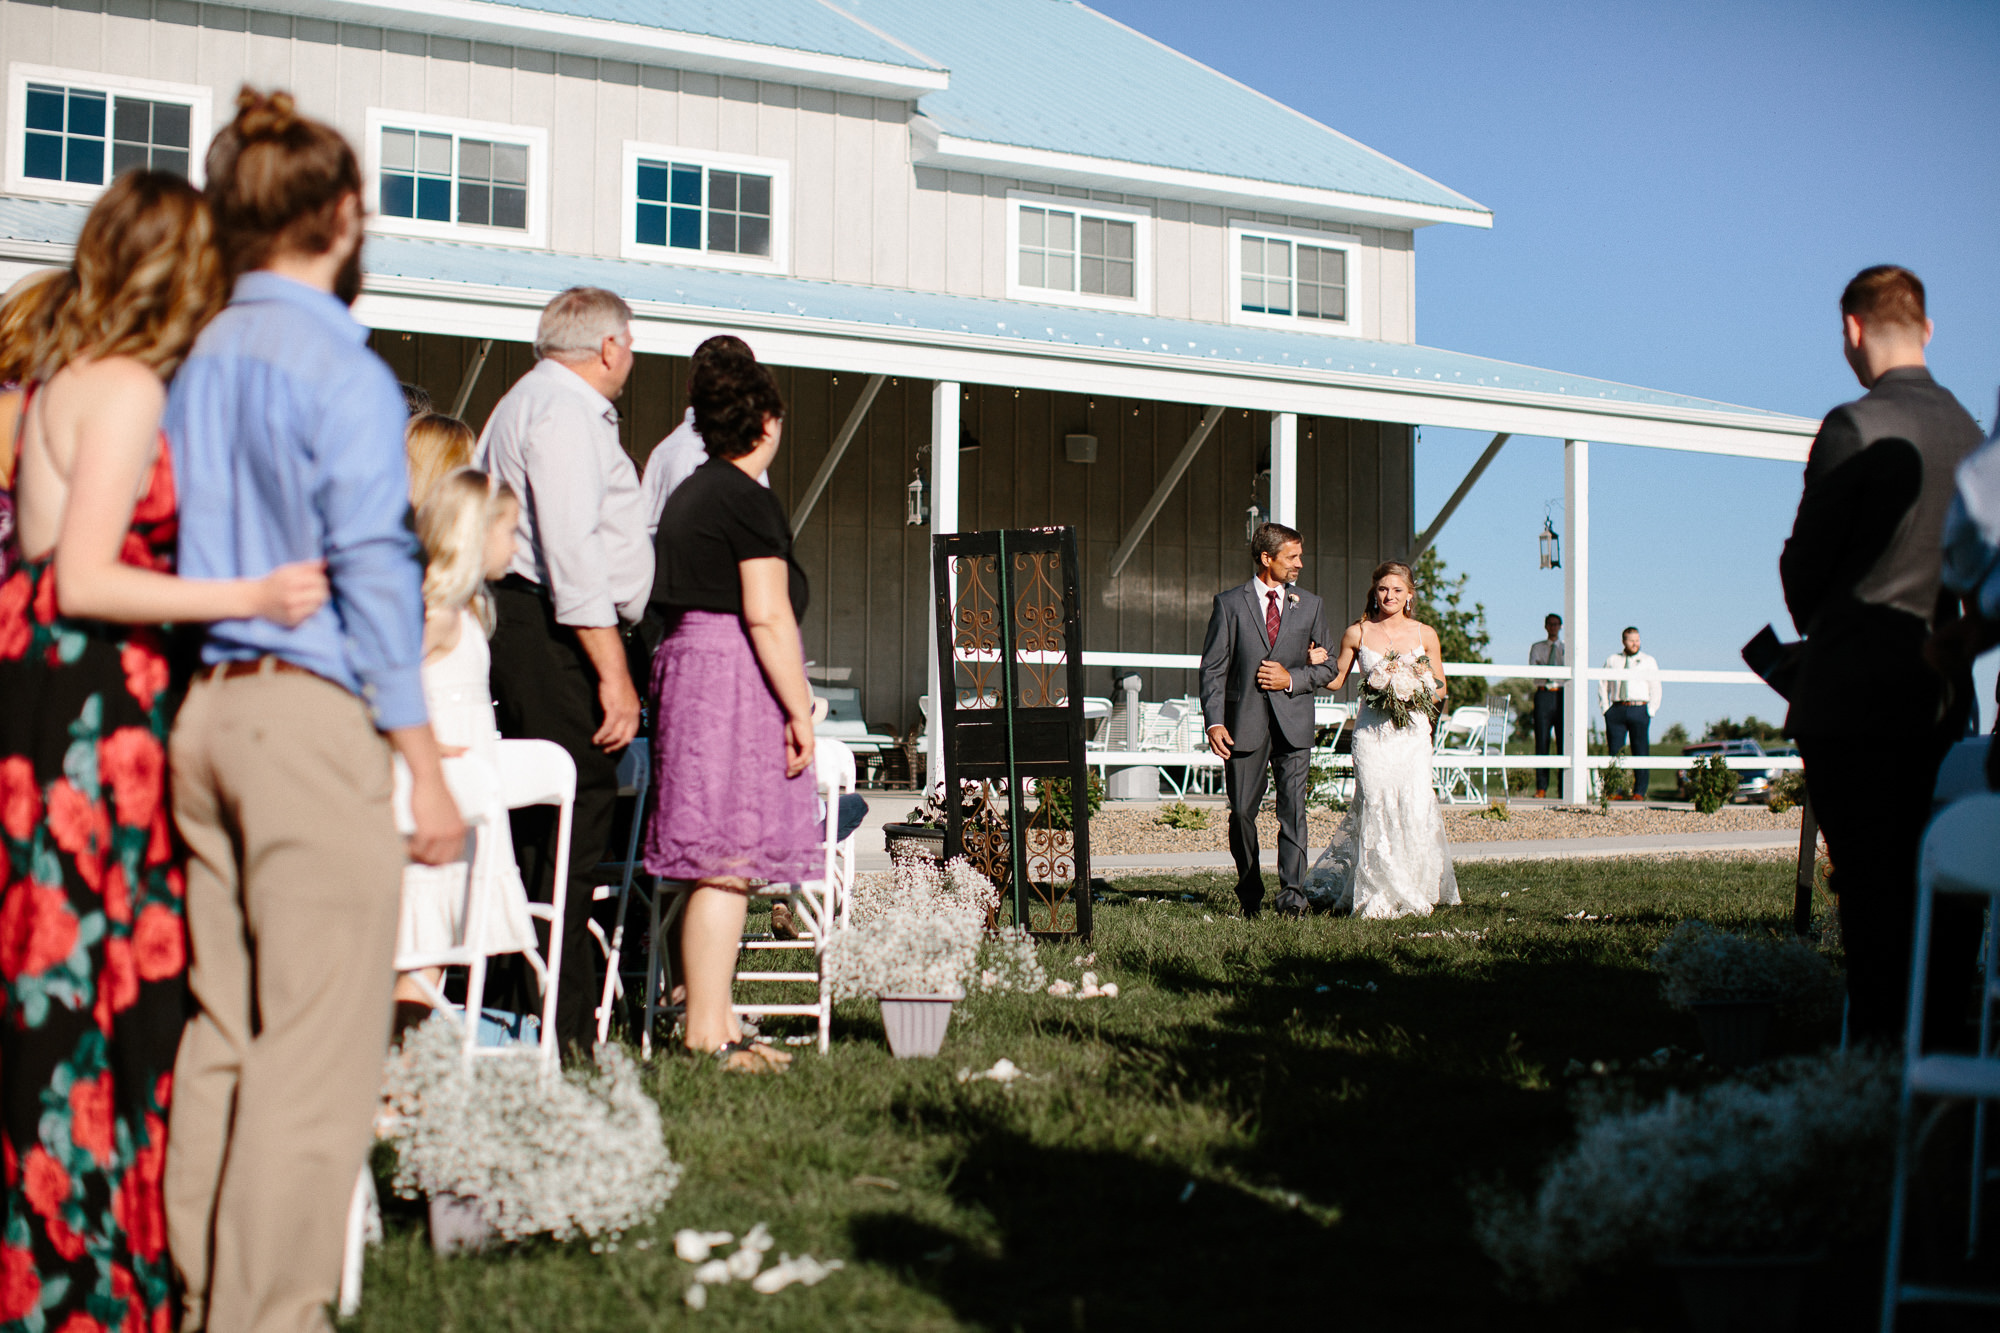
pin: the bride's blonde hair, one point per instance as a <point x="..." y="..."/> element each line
<point x="452" y="523"/>
<point x="1389" y="567"/>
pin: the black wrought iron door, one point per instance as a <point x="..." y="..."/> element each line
<point x="1010" y="668"/>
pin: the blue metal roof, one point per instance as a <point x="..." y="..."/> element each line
<point x="1052" y="75"/>
<point x="1057" y="75"/>
<point x="797" y="25"/>
<point x="1215" y="346"/>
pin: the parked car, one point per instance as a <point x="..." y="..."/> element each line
<point x="1752" y="784"/>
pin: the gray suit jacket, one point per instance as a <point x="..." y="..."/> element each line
<point x="1231" y="651"/>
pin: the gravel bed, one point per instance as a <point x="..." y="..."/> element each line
<point x="1135" y="830"/>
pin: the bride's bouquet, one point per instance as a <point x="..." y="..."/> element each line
<point x="1402" y="686"/>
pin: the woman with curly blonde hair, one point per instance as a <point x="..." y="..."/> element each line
<point x="92" y="941"/>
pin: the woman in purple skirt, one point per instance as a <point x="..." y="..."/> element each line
<point x="733" y="798"/>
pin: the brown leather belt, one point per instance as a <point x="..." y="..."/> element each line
<point x="256" y="666"/>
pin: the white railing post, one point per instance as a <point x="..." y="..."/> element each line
<point x="1576" y="612"/>
<point x="944" y="519"/>
<point x="1285" y="468"/>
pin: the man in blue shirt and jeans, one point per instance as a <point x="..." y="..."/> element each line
<point x="287" y="437"/>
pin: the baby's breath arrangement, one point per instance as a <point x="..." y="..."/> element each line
<point x="916" y="930"/>
<point x="1403" y="686"/>
<point x="1699" y="964"/>
<point x="1777" y="1163"/>
<point x="576" y="1155"/>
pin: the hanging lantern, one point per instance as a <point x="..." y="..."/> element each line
<point x="918" y="511"/>
<point x="1551" y="545"/>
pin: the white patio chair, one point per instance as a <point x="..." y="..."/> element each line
<point x="820" y="904"/>
<point x="635" y="779"/>
<point x="1331" y="712"/>
<point x="1957" y="858"/>
<point x="528" y="773"/>
<point x="1459" y="743"/>
<point x="1096" y="710"/>
<point x="1493" y="740"/>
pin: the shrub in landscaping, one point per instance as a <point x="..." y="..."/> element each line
<point x="1787" y="790"/>
<point x="1053" y="799"/>
<point x="1712" y="784"/>
<point x="1699" y="964"/>
<point x="1616" y="780"/>
<point x="1779" y="1162"/>
<point x="1181" y="815"/>
<point x="581" y="1154"/>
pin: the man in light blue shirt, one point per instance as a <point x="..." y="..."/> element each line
<point x="287" y="438"/>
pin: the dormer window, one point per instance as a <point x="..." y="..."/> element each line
<point x="707" y="209"/>
<point x="458" y="180"/>
<point x="1292" y="279"/>
<point x="1079" y="252"/>
<point x="76" y="132"/>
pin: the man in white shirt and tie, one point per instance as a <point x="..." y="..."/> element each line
<point x="1629" y="700"/>
<point x="1548" y="652"/>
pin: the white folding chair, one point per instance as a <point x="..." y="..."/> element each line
<point x="527" y="773"/>
<point x="1458" y="740"/>
<point x="635" y="779"/>
<point x="821" y="905"/>
<point x="1957" y="858"/>
<point x="1331" y="712"/>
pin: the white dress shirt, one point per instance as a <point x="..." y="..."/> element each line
<point x="673" y="461"/>
<point x="1548" y="653"/>
<point x="1637" y="682"/>
<point x="582" y="533"/>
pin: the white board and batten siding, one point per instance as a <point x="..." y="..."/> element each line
<point x="861" y="210"/>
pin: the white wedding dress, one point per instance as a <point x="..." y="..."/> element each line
<point x="1389" y="857"/>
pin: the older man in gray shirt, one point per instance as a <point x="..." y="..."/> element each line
<point x="582" y="569"/>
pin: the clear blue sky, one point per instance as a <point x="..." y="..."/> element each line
<point x="1680" y="191"/>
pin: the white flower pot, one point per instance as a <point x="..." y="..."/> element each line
<point x="916" y="1023"/>
<point x="458" y="1223"/>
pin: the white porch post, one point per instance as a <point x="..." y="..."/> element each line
<point x="1582" y="701"/>
<point x="1285" y="468"/>
<point x="945" y="396"/>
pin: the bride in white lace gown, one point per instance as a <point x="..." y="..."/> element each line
<point x="1389" y="857"/>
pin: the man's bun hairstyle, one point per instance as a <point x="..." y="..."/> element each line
<point x="275" y="180"/>
<point x="732" y="394"/>
<point x="1885" y="294"/>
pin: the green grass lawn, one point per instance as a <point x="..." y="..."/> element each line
<point x="1273" y="1122"/>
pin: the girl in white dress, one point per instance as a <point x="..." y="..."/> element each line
<point x="1389" y="857"/>
<point x="466" y="525"/>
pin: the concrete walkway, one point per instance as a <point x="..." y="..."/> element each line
<point x="889" y="809"/>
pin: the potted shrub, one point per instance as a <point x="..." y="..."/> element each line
<point x="915" y="941"/>
<point x="1734" y="983"/>
<point x="1737" y="1190"/>
<point x="506" y="1150"/>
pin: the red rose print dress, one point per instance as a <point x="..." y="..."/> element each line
<point x="92" y="952"/>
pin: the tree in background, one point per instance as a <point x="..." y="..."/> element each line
<point x="1751" y="728"/>
<point x="1461" y="631"/>
<point x="1675" y="737"/>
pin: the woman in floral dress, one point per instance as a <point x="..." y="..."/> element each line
<point x="92" y="945"/>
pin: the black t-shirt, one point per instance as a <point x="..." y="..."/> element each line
<point x="714" y="521"/>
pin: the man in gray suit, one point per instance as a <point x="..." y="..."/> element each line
<point x="1257" y="701"/>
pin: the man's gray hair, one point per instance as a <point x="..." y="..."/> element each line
<point x="577" y="322"/>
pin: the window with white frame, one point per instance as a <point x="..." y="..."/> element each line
<point x="76" y="132"/>
<point x="464" y="180"/>
<point x="1296" y="279"/>
<point x="712" y="209"/>
<point x="1079" y="252"/>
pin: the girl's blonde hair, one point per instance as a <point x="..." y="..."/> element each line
<point x="437" y="446"/>
<point x="145" y="277"/>
<point x="452" y="523"/>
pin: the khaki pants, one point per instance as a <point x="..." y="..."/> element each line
<point x="281" y="790"/>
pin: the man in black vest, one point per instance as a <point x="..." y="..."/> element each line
<point x="1872" y="719"/>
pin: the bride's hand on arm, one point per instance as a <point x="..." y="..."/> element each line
<point x="1350" y="643"/>
<point x="1315" y="654"/>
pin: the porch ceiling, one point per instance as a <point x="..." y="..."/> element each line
<point x="497" y="292"/>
